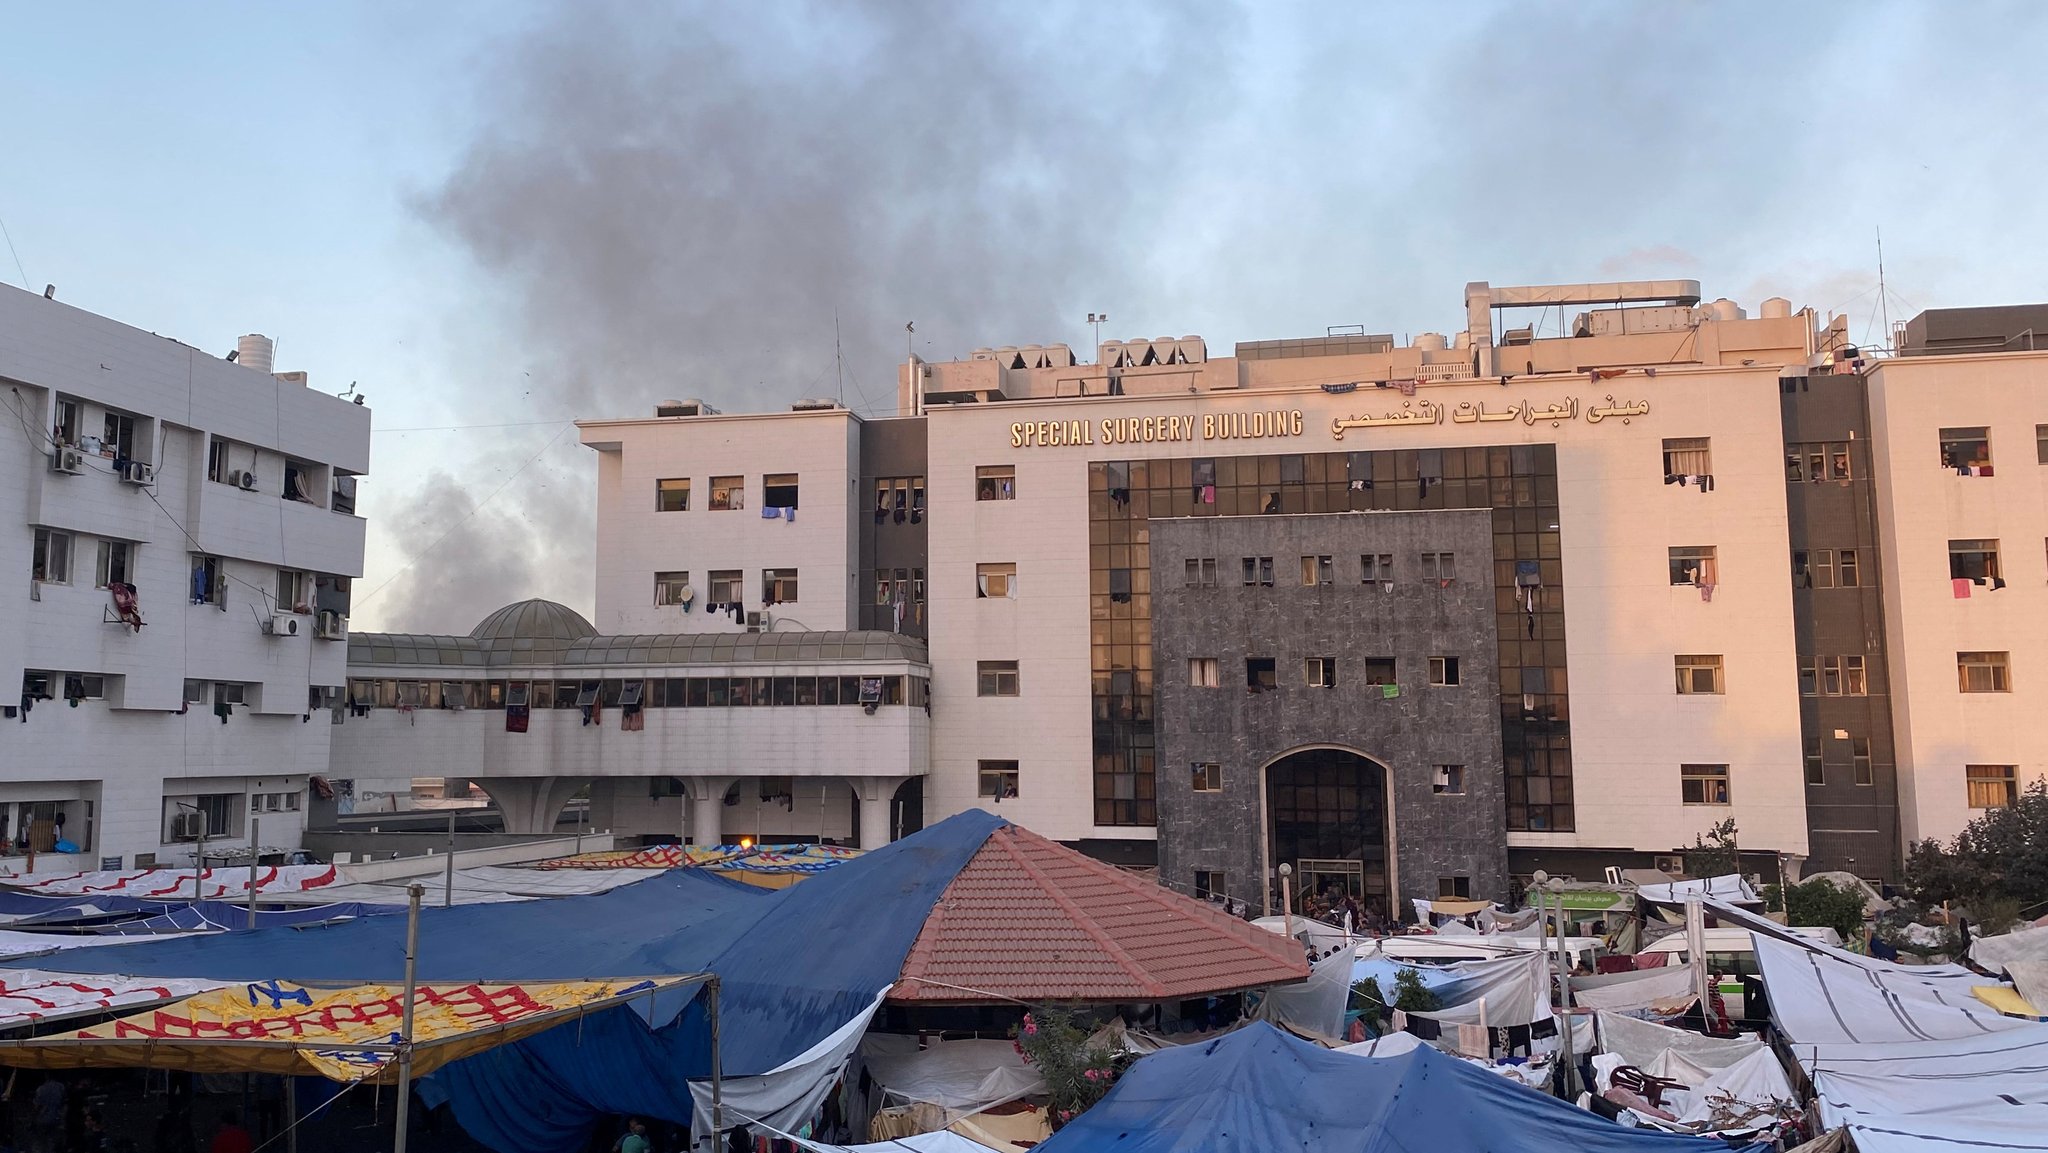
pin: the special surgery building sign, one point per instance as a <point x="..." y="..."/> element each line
<point x="1261" y="425"/>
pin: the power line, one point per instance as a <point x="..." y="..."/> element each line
<point x="17" y="255"/>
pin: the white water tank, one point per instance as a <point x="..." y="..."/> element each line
<point x="1775" y="308"/>
<point x="1725" y="309"/>
<point x="255" y="351"/>
<point x="1430" y="341"/>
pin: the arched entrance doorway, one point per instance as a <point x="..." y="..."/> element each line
<point x="1326" y="816"/>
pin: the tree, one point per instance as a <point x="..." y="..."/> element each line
<point x="1411" y="995"/>
<point x="1076" y="1073"/>
<point x="2002" y="856"/>
<point x="1713" y="855"/>
<point x="1822" y="902"/>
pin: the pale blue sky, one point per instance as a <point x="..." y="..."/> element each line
<point x="493" y="213"/>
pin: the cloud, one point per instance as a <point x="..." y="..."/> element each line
<point x="1647" y="263"/>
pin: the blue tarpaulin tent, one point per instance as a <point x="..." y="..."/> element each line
<point x="1259" y="1089"/>
<point x="794" y="965"/>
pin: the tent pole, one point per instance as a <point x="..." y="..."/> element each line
<point x="1695" y="948"/>
<point x="414" y="892"/>
<point x="291" y="1115"/>
<point x="448" y="892"/>
<point x="717" y="1071"/>
<point x="1564" y="996"/>
<point x="255" y="840"/>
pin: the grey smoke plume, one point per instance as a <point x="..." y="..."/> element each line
<point x="678" y="202"/>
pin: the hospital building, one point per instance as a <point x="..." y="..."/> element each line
<point x="1564" y="588"/>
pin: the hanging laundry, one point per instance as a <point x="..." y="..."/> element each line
<point x="632" y="720"/>
<point x="789" y="514"/>
<point x="1671" y="478"/>
<point x="1208" y="494"/>
<point x="1706" y="482"/>
<point x="770" y="512"/>
<point x="1997" y="583"/>
<point x="1707" y="590"/>
<point x="221" y="709"/>
<point x="738" y="611"/>
<point x="1962" y="587"/>
<point x="515" y="718"/>
<point x="1389" y="692"/>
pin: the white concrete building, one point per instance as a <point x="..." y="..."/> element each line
<point x="1715" y="571"/>
<point x="217" y="499"/>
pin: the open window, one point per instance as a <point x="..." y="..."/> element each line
<point x="1319" y="672"/>
<point x="1693" y="565"/>
<point x="1317" y="570"/>
<point x="1703" y="784"/>
<point x="672" y="495"/>
<point x="1376" y="568"/>
<point x="116" y="565"/>
<point x="995" y="482"/>
<point x="996" y="580"/>
<point x="1261" y="674"/>
<point x="1443" y="671"/>
<point x="294" y="591"/>
<point x="1966" y="450"/>
<point x="1439" y="568"/>
<point x="778" y="586"/>
<point x="672" y="587"/>
<point x="1380" y="671"/>
<point x="51" y="563"/>
<point x="1992" y="786"/>
<point x="343" y="497"/>
<point x="1688" y="456"/>
<point x="1207" y="776"/>
<point x="727" y="586"/>
<point x="779" y="490"/>
<point x="209" y="581"/>
<point x="997" y="779"/>
<point x="728" y="493"/>
<point x="1983" y="672"/>
<point x="1449" y="780"/>
<point x="1973" y="560"/>
<point x="303" y="482"/>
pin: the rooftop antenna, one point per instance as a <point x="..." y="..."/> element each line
<point x="1883" y="305"/>
<point x="838" y="358"/>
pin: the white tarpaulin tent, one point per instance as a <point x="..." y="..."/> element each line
<point x="960" y="1077"/>
<point x="475" y="885"/>
<point x="1818" y="998"/>
<point x="1852" y="1080"/>
<point x="15" y="945"/>
<point x="40" y="995"/>
<point x="1514" y="990"/>
<point x="1742" y="1069"/>
<point x="1636" y="990"/>
<point x="1994" y="953"/>
<point x="1315" y="1007"/>
<point x="1731" y="887"/>
<point x="789" y="1094"/>
<point x="2004" y="1130"/>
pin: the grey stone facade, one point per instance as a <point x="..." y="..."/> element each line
<point x="1430" y="835"/>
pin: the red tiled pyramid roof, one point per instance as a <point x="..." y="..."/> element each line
<point x="1036" y="921"/>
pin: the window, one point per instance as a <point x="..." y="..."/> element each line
<point x="1443" y="671"/>
<point x="1439" y="568"/>
<point x="672" y="495"/>
<point x="1848" y="572"/>
<point x="1320" y="672"/>
<point x="1966" y="450"/>
<point x="1258" y="570"/>
<point x="1692" y="565"/>
<point x="1809" y="677"/>
<point x="301" y="481"/>
<point x="84" y="687"/>
<point x="1460" y="887"/>
<point x="727" y="586"/>
<point x="998" y="779"/>
<point x="1202" y="673"/>
<point x="1687" y="456"/>
<point x="67" y="422"/>
<point x="209" y="581"/>
<point x="207" y="815"/>
<point x="996" y="678"/>
<point x="778" y="585"/>
<point x="728" y="493"/>
<point x="1201" y="572"/>
<point x="1816" y="461"/>
<point x="1855" y="679"/>
<point x="1703" y="784"/>
<point x="294" y="590"/>
<point x="217" y="466"/>
<point x="672" y="587"/>
<point x="1859" y="756"/>
<point x="1376" y="568"/>
<point x="195" y="692"/>
<point x="1449" y="781"/>
<point x="1831" y="676"/>
<point x="778" y="490"/>
<point x="996" y="580"/>
<point x="1317" y="570"/>
<point x="52" y="559"/>
<point x="1698" y="674"/>
<point x="1210" y="884"/>
<point x="120" y="435"/>
<point x="1208" y="776"/>
<point x="230" y="693"/>
<point x="1973" y="560"/>
<point x="1260" y="675"/>
<point x="995" y="482"/>
<point x="1379" y="670"/>
<point x="1815" y="773"/>
<point x="116" y="563"/>
<point x="1982" y="673"/>
<point x="1992" y="786"/>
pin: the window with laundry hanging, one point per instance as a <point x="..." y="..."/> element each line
<point x="724" y="586"/>
<point x="116" y="564"/>
<point x="671" y="587"/>
<point x="995" y="482"/>
<point x="1973" y="560"/>
<point x="1693" y="565"/>
<point x="1380" y="671"/>
<point x="779" y="490"/>
<point x="1966" y="451"/>
<point x="1688" y="456"/>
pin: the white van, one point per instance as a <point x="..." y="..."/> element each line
<point x="1731" y="956"/>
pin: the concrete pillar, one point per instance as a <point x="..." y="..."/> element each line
<point x="707" y="808"/>
<point x="874" y="795"/>
<point x="530" y="804"/>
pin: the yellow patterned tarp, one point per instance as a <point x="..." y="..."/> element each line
<point x="341" y="1034"/>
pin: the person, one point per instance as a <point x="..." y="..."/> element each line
<point x="94" y="1137"/>
<point x="635" y="1140"/>
<point x="46" y="1122"/>
<point x="230" y="1137"/>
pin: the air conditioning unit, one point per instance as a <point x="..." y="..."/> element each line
<point x="188" y="826"/>
<point x="1671" y="863"/>
<point x="283" y="625"/>
<point x="139" y="473"/>
<point x="67" y="460"/>
<point x="753" y="622"/>
<point x="247" y="481"/>
<point x="331" y="626"/>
